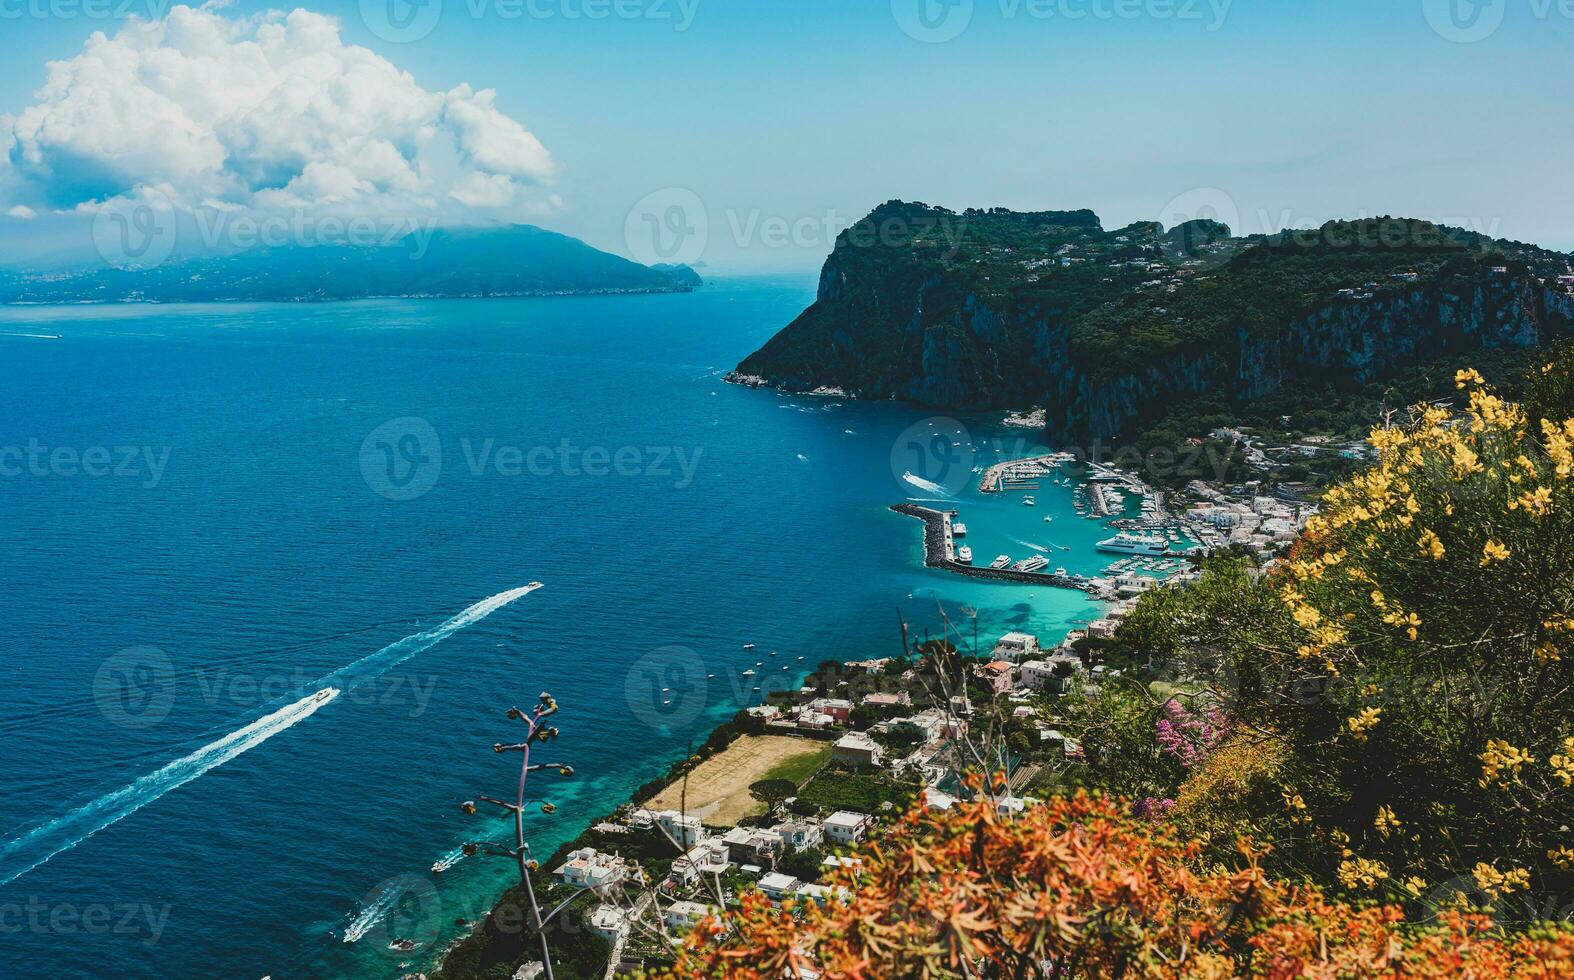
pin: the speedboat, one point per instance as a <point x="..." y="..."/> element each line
<point x="1029" y="502"/>
<point x="748" y="646"/>
<point x="1048" y="519"/>
<point x="749" y="672"/>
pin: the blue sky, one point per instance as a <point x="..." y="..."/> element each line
<point x="803" y="116"/>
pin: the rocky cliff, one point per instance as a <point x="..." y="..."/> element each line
<point x="995" y="310"/>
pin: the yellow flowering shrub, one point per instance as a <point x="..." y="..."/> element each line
<point x="1417" y="661"/>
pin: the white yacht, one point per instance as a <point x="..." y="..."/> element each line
<point x="1135" y="544"/>
<point x="964" y="555"/>
<point x="1029" y="502"/>
<point x="1035" y="564"/>
<point x="1001" y="562"/>
<point x="749" y="672"/>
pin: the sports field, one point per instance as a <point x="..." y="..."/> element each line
<point x="718" y="791"/>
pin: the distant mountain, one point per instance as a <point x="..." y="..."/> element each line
<point x="988" y="310"/>
<point x="519" y="260"/>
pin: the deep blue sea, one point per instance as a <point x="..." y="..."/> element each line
<point x="207" y="513"/>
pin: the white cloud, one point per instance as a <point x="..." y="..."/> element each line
<point x="22" y="212"/>
<point x="261" y="113"/>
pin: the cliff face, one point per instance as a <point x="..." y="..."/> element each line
<point x="945" y="328"/>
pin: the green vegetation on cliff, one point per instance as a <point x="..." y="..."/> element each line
<point x="1105" y="329"/>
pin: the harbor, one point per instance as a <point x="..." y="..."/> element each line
<point x="939" y="552"/>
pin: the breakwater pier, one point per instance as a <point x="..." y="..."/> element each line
<point x="937" y="554"/>
<point x="1017" y="473"/>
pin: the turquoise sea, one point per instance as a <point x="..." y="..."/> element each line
<point x="209" y="513"/>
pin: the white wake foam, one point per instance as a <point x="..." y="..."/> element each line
<point x="923" y="484"/>
<point x="67" y="831"/>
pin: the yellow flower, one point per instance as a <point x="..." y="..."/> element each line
<point x="1363" y="721"/>
<point x="1431" y="545"/>
<point x="1537" y="502"/>
<point x="1563" y="857"/>
<point x="1468" y="376"/>
<point x="1386" y="823"/>
<point x="1502" y="760"/>
<point x="1361" y="872"/>
<point x="1499" y="883"/>
<point x="1563" y="763"/>
<point x="1493" y="551"/>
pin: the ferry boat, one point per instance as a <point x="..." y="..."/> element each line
<point x="1135" y="544"/>
<point x="1035" y="564"/>
<point x="964" y="555"/>
<point x="959" y="530"/>
<point x="1001" y="562"/>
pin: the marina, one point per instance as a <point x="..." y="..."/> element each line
<point x="938" y="554"/>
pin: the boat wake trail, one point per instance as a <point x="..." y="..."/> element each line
<point x="923" y="484"/>
<point x="1029" y="544"/>
<point x="67" y="831"/>
<point x="375" y="665"/>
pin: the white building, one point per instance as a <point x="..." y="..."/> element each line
<point x="609" y="922"/>
<point x="847" y="827"/>
<point x="588" y="868"/>
<point x="1016" y="646"/>
<point x="681" y="916"/>
<point x="857" y="749"/>
<point x="686" y="830"/>
<point x="1036" y="674"/>
<point x="778" y="886"/>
